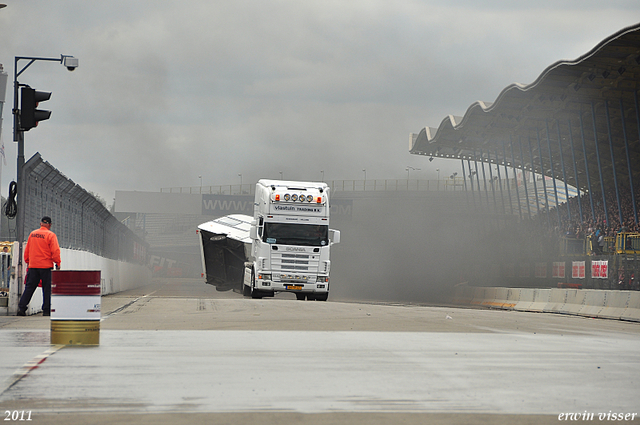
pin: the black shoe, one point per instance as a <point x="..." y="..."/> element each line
<point x="21" y="313"/>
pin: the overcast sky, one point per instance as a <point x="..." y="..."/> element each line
<point x="168" y="91"/>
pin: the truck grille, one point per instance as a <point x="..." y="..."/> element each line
<point x="286" y="262"/>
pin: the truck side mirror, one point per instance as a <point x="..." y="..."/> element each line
<point x="334" y="236"/>
<point x="253" y="231"/>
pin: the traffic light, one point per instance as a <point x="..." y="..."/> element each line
<point x="29" y="115"/>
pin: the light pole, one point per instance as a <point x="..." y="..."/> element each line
<point x="409" y="168"/>
<point x="71" y="64"/>
<point x="281" y="178"/>
<point x="200" y="177"/>
<point x="240" y="175"/>
<point x="3" y="85"/>
<point x="365" y="174"/>
<point x="438" y="170"/>
<point x="322" y="171"/>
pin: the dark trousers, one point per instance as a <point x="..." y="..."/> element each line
<point x="34" y="276"/>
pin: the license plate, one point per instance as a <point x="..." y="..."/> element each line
<point x="294" y="287"/>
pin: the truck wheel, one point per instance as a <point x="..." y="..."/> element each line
<point x="322" y="297"/>
<point x="246" y="291"/>
<point x="311" y="297"/>
<point x="255" y="294"/>
<point x="300" y="296"/>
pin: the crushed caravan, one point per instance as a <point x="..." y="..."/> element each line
<point x="225" y="247"/>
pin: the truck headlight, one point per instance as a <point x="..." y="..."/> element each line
<point x="322" y="279"/>
<point x="264" y="276"/>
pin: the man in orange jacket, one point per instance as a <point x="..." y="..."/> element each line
<point x="41" y="252"/>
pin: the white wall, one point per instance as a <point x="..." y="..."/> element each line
<point x="115" y="276"/>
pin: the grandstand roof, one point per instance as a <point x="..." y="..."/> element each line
<point x="560" y="104"/>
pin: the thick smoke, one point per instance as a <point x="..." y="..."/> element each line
<point x="409" y="247"/>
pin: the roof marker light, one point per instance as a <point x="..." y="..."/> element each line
<point x="277" y="197"/>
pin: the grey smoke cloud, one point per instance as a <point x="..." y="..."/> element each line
<point x="168" y="91"/>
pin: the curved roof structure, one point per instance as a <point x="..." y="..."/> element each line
<point x="586" y="108"/>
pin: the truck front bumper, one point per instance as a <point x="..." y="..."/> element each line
<point x="269" y="285"/>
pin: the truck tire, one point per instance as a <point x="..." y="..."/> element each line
<point x="255" y="294"/>
<point x="300" y="296"/>
<point x="246" y="291"/>
<point x="322" y="297"/>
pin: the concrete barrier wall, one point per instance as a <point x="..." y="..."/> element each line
<point x="615" y="304"/>
<point x="557" y="300"/>
<point x="574" y="301"/>
<point x="115" y="276"/>
<point x="525" y="300"/>
<point x="478" y="296"/>
<point x="540" y="300"/>
<point x="463" y="294"/>
<point x="631" y="312"/>
<point x="619" y="305"/>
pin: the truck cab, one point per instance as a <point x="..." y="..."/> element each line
<point x="290" y="241"/>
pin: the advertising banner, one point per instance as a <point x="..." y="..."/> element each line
<point x="220" y="205"/>
<point x="558" y="269"/>
<point x="541" y="270"/>
<point x="600" y="269"/>
<point x="577" y="269"/>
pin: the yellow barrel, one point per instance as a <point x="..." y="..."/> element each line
<point x="75" y="332"/>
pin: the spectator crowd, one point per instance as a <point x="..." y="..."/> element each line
<point x="595" y="228"/>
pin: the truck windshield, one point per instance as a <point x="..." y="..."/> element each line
<point x="296" y="234"/>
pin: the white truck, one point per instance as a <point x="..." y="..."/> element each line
<point x="284" y="247"/>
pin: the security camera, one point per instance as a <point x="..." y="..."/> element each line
<point x="70" y="62"/>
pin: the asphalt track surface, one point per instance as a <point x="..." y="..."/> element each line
<point x="177" y="351"/>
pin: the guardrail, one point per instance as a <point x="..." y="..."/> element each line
<point x="455" y="184"/>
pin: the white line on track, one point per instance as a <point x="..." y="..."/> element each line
<point x="29" y="366"/>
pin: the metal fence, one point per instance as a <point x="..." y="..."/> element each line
<point x="455" y="184"/>
<point x="80" y="221"/>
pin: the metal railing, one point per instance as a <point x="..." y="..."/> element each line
<point x="455" y="184"/>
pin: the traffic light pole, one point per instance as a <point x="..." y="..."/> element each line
<point x="18" y="136"/>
